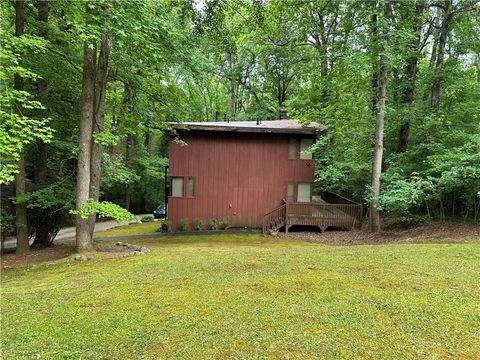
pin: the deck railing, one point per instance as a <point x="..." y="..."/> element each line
<point x="324" y="215"/>
<point x="332" y="198"/>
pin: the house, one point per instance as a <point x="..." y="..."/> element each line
<point x="256" y="174"/>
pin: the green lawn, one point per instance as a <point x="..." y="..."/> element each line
<point x="247" y="297"/>
<point x="132" y="229"/>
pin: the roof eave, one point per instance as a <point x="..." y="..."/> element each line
<point x="306" y="130"/>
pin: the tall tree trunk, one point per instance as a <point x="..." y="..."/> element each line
<point x="83" y="239"/>
<point x="380" y="121"/>
<point x="411" y="75"/>
<point x="149" y="142"/>
<point x="20" y="208"/>
<point x="43" y="224"/>
<point x="232" y="98"/>
<point x="98" y="124"/>
<point x="433" y="54"/>
<point x="129" y="156"/>
<point x="374" y="42"/>
<point x="442" y="42"/>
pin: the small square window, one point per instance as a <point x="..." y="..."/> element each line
<point x="177" y="186"/>
<point x="191" y="187"/>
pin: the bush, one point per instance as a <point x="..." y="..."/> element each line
<point x="225" y="223"/>
<point x="184" y="226"/>
<point x="213" y="224"/>
<point x="165" y="226"/>
<point x="147" y="218"/>
<point x="199" y="225"/>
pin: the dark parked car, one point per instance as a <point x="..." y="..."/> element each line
<point x="159" y="213"/>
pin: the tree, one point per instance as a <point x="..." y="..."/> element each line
<point x="95" y="70"/>
<point x="20" y="208"/>
<point x="380" y="121"/>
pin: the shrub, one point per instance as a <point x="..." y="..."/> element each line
<point x="213" y="224"/>
<point x="184" y="226"/>
<point x="199" y="225"/>
<point x="147" y="218"/>
<point x="165" y="226"/>
<point x="225" y="223"/>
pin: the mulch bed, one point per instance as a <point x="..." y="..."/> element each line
<point x="431" y="233"/>
<point x="36" y="256"/>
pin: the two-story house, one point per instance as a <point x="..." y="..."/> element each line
<point x="257" y="174"/>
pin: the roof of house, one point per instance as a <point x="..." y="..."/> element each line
<point x="265" y="126"/>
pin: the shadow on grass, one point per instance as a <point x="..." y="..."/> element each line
<point x="209" y="240"/>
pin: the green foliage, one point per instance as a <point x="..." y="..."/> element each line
<point x="147" y="218"/>
<point x="7" y="224"/>
<point x="225" y="223"/>
<point x="165" y="226"/>
<point x="104" y="209"/>
<point x="199" y="225"/>
<point x="172" y="61"/>
<point x="184" y="225"/>
<point x="213" y="224"/>
<point x="17" y="130"/>
<point x="54" y="196"/>
<point x="402" y="196"/>
<point x="115" y="172"/>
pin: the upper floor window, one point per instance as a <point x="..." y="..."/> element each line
<point x="300" y="149"/>
<point x="305" y="152"/>
<point x="293" y="148"/>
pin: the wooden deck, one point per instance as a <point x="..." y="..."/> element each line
<point x="346" y="215"/>
<point x="323" y="215"/>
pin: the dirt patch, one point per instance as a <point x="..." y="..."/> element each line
<point x="431" y="233"/>
<point x="36" y="256"/>
<point x="61" y="251"/>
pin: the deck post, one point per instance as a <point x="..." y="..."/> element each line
<point x="286" y="217"/>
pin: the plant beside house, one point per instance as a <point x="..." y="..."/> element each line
<point x="225" y="223"/>
<point x="184" y="225"/>
<point x="199" y="225"/>
<point x="165" y="226"/>
<point x="213" y="224"/>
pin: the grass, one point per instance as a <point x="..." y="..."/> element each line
<point x="132" y="229"/>
<point x="248" y="297"/>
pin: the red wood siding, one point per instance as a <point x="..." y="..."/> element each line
<point x="238" y="175"/>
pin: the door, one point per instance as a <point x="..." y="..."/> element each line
<point x="304" y="193"/>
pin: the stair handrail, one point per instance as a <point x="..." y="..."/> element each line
<point x="280" y="207"/>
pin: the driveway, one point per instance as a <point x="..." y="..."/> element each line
<point x="67" y="234"/>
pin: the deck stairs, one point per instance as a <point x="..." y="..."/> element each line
<point x="275" y="219"/>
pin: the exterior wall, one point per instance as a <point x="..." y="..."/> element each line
<point x="237" y="175"/>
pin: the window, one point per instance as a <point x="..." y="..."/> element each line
<point x="304" y="192"/>
<point x="304" y="149"/>
<point x="290" y="191"/>
<point x="293" y="149"/>
<point x="191" y="187"/>
<point x="177" y="186"/>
